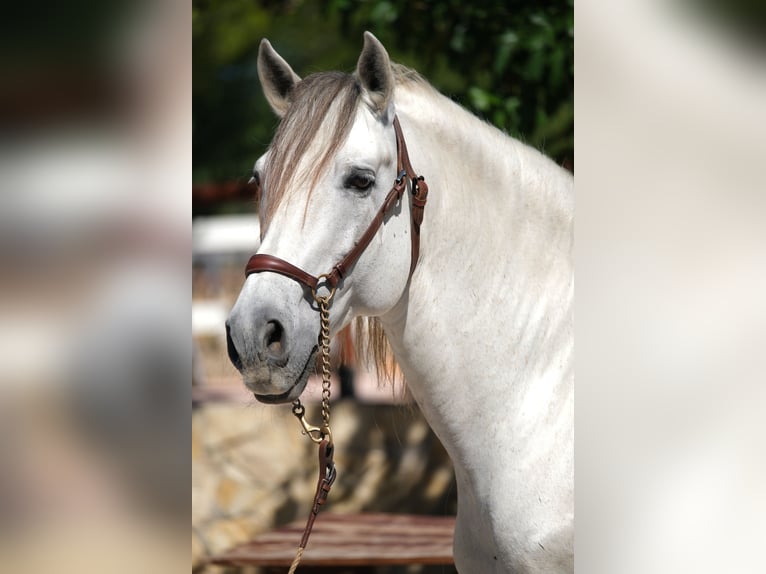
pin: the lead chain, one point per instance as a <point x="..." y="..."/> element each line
<point x="317" y="434"/>
<point x="324" y="340"/>
<point x="299" y="410"/>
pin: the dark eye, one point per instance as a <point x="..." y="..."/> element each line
<point x="360" y="181"/>
<point x="255" y="182"/>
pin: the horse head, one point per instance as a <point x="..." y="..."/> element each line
<point x="330" y="167"/>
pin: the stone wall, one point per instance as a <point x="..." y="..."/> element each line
<point x="253" y="470"/>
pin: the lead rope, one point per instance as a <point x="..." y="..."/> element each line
<point x="320" y="435"/>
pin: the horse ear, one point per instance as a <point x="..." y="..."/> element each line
<point x="374" y="72"/>
<point x="277" y="78"/>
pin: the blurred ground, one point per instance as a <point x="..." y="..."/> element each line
<point x="252" y="469"/>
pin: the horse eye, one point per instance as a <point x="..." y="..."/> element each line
<point x="256" y="182"/>
<point x="360" y="181"/>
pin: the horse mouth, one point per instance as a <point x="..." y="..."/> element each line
<point x="276" y="399"/>
<point x="296" y="389"/>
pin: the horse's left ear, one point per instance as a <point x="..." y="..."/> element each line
<point x="374" y="72"/>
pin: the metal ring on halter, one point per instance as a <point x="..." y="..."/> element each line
<point x="326" y="298"/>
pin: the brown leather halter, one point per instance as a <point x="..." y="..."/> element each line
<point x="261" y="262"/>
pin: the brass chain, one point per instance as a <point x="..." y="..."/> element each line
<point x="317" y="434"/>
<point x="324" y="340"/>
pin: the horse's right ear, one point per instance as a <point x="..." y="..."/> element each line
<point x="374" y="72"/>
<point x="277" y="78"/>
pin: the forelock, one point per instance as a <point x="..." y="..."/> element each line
<point x="322" y="106"/>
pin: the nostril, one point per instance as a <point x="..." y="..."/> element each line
<point x="232" y="350"/>
<point x="274" y="340"/>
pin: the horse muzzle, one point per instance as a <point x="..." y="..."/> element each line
<point x="274" y="358"/>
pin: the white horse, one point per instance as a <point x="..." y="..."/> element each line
<point x="482" y="328"/>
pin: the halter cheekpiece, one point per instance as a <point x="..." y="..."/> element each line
<point x="260" y="262"/>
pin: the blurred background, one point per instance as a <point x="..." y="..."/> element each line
<point x="95" y="361"/>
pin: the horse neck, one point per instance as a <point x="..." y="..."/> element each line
<point x="488" y="305"/>
<point x="483" y="182"/>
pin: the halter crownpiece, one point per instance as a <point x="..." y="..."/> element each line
<point x="261" y="262"/>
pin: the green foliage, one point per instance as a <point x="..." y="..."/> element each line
<point x="509" y="62"/>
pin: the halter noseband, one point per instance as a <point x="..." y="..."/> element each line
<point x="260" y="262"/>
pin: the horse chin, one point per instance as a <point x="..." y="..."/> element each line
<point x="295" y="390"/>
